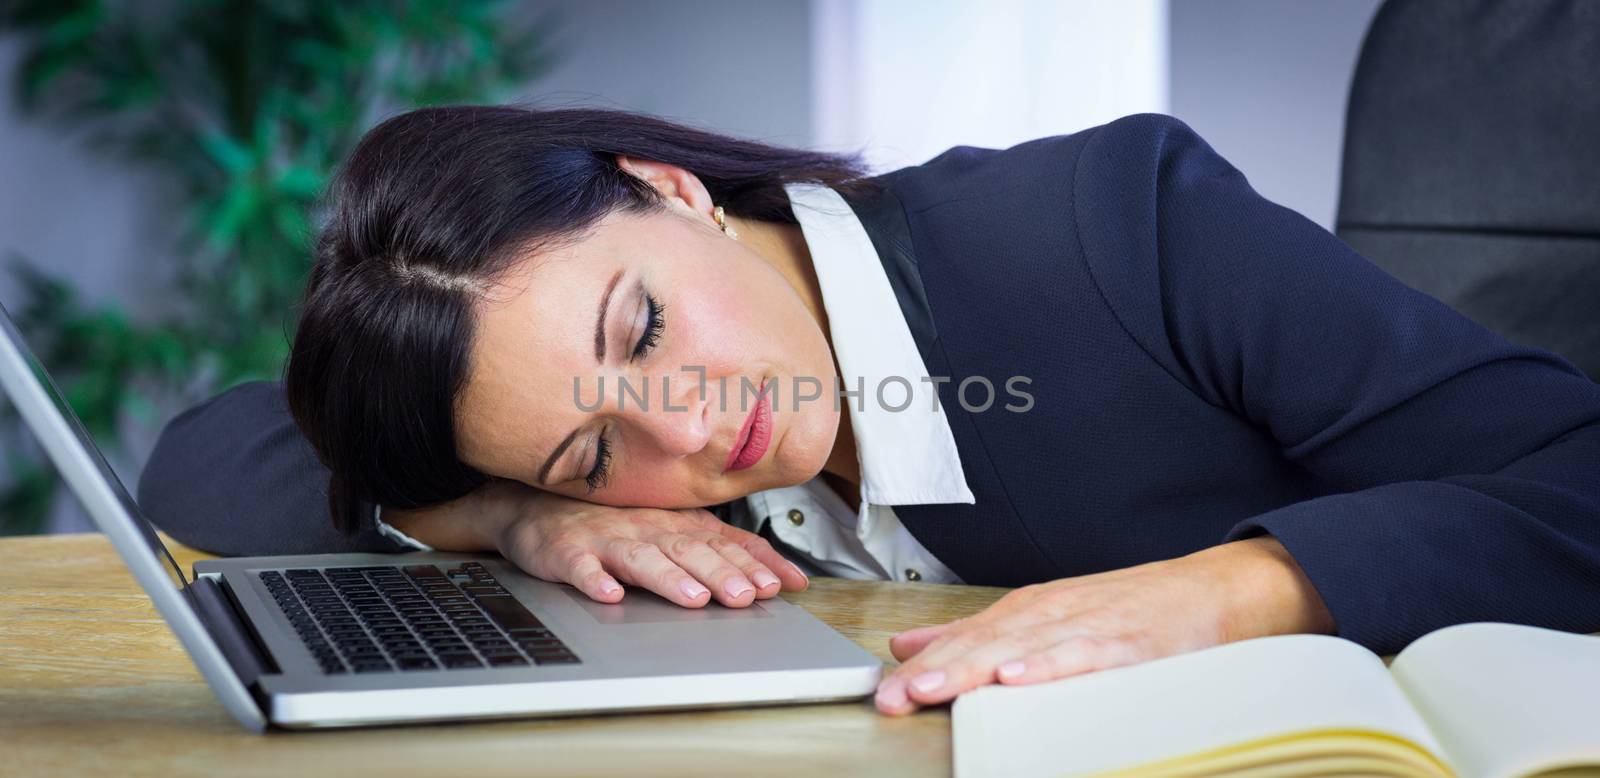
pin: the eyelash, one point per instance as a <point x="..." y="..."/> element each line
<point x="602" y="465"/>
<point x="654" y="325"/>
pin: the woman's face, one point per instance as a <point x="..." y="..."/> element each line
<point x="692" y="322"/>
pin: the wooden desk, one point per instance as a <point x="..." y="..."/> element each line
<point x="93" y="683"/>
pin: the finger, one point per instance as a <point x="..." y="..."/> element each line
<point x="766" y="583"/>
<point x="1059" y="651"/>
<point x="956" y="666"/>
<point x="965" y="657"/>
<point x="644" y="565"/>
<point x="892" y="699"/>
<point x="585" y="572"/>
<point x="728" y="584"/>
<point x="1062" y="660"/>
<point x="789" y="574"/>
<point x="911" y="642"/>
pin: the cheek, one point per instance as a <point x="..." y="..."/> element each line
<point x="722" y="329"/>
<point x="745" y="322"/>
<point x="645" y="485"/>
<point x="654" y="492"/>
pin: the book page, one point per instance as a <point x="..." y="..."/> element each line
<point x="1505" y="699"/>
<point x="1179" y="706"/>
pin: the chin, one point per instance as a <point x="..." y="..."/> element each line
<point x="803" y="450"/>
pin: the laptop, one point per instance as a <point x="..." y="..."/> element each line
<point x="334" y="640"/>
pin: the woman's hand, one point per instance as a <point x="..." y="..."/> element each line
<point x="1248" y="588"/>
<point x="687" y="556"/>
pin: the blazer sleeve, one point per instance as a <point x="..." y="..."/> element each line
<point x="234" y="475"/>
<point x="1465" y="468"/>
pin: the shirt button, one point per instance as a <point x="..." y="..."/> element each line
<point x="912" y="574"/>
<point x="796" y="517"/>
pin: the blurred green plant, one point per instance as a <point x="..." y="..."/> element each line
<point x="245" y="106"/>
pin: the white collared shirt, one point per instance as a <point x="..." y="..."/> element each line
<point x="906" y="456"/>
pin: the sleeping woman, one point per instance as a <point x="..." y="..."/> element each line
<point x="1098" y="367"/>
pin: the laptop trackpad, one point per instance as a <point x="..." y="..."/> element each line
<point x="643" y="607"/>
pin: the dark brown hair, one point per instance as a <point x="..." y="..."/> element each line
<point x="433" y="204"/>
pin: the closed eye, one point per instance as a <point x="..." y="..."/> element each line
<point x="654" y="324"/>
<point x="601" y="472"/>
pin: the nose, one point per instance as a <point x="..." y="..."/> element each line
<point x="674" y="417"/>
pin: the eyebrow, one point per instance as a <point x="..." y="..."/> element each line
<point x="600" y="320"/>
<point x="544" y="471"/>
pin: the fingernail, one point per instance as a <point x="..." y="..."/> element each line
<point x="692" y="590"/>
<point x="891" y="694"/>
<point x="1012" y="669"/>
<point x="609" y="588"/>
<point x="736" y="588"/>
<point x="928" y="682"/>
<point x="763" y="579"/>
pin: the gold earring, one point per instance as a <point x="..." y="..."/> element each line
<point x="722" y="221"/>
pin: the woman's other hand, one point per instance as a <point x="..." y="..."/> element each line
<point x="1248" y="588"/>
<point x="687" y="556"/>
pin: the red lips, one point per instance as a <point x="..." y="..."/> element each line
<point x="754" y="436"/>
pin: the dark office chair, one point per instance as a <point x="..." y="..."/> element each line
<point x="1472" y="163"/>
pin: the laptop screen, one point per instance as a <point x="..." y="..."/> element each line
<point x="15" y="373"/>
<point x="114" y="511"/>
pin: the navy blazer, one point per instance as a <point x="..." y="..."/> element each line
<point x="1205" y="366"/>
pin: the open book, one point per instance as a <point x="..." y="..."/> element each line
<point x="1471" y="700"/>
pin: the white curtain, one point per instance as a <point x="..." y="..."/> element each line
<point x="906" y="79"/>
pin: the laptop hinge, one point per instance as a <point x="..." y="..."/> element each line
<point x="227" y="627"/>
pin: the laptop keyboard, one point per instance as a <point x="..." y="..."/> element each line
<point x="415" y="617"/>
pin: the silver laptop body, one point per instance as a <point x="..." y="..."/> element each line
<point x="353" y="639"/>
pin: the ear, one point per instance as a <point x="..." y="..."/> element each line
<point x="679" y="187"/>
